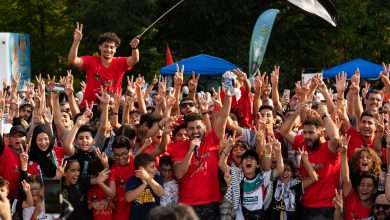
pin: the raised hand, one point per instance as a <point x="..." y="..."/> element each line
<point x="240" y="75"/>
<point x="217" y="97"/>
<point x="179" y="78"/>
<point x="304" y="154"/>
<point x="102" y="157"/>
<point x="341" y="82"/>
<point x="276" y="145"/>
<point x="365" y="89"/>
<point x="83" y="86"/>
<point x="60" y="171"/>
<point x="344" y="140"/>
<point x="47" y="115"/>
<point x="170" y="98"/>
<point x="338" y="200"/>
<point x="24" y="158"/>
<point x="203" y="102"/>
<point x="193" y="83"/>
<point x="275" y="75"/>
<point x="103" y="176"/>
<point x="104" y="97"/>
<point x="130" y="85"/>
<point x="69" y="83"/>
<point x="26" y="187"/>
<point x="88" y="110"/>
<point x="258" y="81"/>
<point x="384" y="75"/>
<point x="15" y="80"/>
<point x="134" y="42"/>
<point x="78" y="32"/>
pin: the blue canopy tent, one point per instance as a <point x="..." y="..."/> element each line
<point x="203" y="64"/>
<point x="367" y="69"/>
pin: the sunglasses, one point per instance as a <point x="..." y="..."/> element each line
<point x="187" y="104"/>
<point x="384" y="207"/>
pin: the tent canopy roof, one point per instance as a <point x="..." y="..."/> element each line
<point x="202" y="64"/>
<point x="367" y="69"/>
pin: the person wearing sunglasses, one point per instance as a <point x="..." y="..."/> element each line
<point x="187" y="106"/>
<point x="381" y="208"/>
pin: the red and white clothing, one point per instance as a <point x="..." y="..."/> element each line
<point x="98" y="75"/>
<point x="354" y="208"/>
<point x="119" y="175"/>
<point x="327" y="166"/>
<point x="100" y="204"/>
<point x="200" y="184"/>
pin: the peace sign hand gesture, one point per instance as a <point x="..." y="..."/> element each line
<point x="78" y="33"/>
<point x="24" y="158"/>
<point x="193" y="83"/>
<point x="61" y="170"/>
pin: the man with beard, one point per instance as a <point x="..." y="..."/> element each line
<point x="195" y="163"/>
<point x="10" y="167"/>
<point x="25" y="112"/>
<point x="104" y="70"/>
<point x="325" y="158"/>
<point x="381" y="208"/>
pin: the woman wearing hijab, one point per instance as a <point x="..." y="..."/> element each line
<point x="44" y="157"/>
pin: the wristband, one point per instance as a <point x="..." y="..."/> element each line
<point x="267" y="155"/>
<point x="226" y="154"/>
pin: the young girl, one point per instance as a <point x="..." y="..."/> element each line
<point x="288" y="190"/>
<point x="247" y="188"/>
<point x="37" y="211"/>
<point x="74" y="188"/>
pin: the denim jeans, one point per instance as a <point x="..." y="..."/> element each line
<point x="208" y="211"/>
<point x="317" y="213"/>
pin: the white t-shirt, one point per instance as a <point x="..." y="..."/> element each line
<point x="28" y="212"/>
<point x="171" y="193"/>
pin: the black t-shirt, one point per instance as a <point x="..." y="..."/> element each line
<point x="77" y="196"/>
<point x="278" y="206"/>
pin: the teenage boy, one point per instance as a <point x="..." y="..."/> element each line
<point x="145" y="188"/>
<point x="104" y="70"/>
<point x="121" y="171"/>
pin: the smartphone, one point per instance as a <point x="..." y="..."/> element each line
<point x="52" y="195"/>
<point x="286" y="93"/>
<point x="55" y="87"/>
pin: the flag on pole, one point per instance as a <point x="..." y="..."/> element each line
<point x="260" y="37"/>
<point x="168" y="57"/>
<point x="322" y="8"/>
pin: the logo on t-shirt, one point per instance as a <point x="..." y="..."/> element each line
<point x="145" y="197"/>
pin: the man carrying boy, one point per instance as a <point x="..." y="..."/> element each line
<point x="145" y="188"/>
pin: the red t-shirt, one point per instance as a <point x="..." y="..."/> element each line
<point x="100" y="204"/>
<point x="356" y="142"/>
<point x="33" y="167"/>
<point x="10" y="170"/>
<point x="200" y="184"/>
<point x="353" y="208"/>
<point x="120" y="174"/>
<point x="98" y="75"/>
<point x="150" y="149"/>
<point x="327" y="166"/>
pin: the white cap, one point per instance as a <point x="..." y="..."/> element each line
<point x="6" y="128"/>
<point x="185" y="90"/>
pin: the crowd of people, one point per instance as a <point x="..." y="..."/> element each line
<point x="241" y="151"/>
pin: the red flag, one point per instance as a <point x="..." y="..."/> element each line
<point x="168" y="57"/>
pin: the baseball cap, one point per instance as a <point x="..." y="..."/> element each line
<point x="18" y="129"/>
